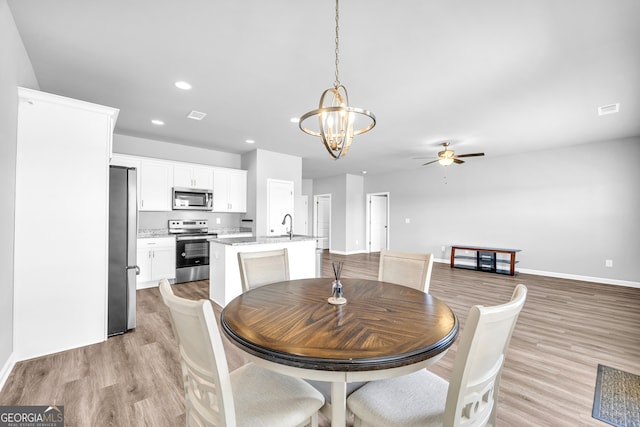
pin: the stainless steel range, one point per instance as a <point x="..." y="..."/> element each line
<point x="192" y="248"/>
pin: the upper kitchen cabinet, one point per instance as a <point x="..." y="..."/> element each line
<point x="62" y="182"/>
<point x="156" y="182"/>
<point x="229" y="190"/>
<point x="190" y="176"/>
<point x="124" y="160"/>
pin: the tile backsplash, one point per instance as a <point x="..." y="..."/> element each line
<point x="158" y="220"/>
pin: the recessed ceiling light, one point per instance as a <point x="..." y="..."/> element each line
<point x="183" y="85"/>
<point x="294" y="119"/>
<point x="608" y="109"/>
<point x="364" y="172"/>
<point x="249" y="141"/>
<point x="196" y="115"/>
<point x="157" y="122"/>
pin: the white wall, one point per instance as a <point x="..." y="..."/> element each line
<point x="568" y="209"/>
<point x="15" y="70"/>
<point x="355" y="214"/>
<point x="264" y="165"/>
<point x="347" y="211"/>
<point x="59" y="301"/>
<point x="135" y="146"/>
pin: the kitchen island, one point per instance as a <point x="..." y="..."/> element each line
<point x="224" y="273"/>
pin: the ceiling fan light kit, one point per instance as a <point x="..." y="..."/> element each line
<point x="336" y="120"/>
<point x="447" y="157"/>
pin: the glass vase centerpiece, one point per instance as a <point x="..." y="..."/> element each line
<point x="336" y="297"/>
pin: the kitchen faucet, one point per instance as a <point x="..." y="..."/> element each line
<point x="290" y="232"/>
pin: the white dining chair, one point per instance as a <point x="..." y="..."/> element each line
<point x="262" y="268"/>
<point x="248" y="396"/>
<point x="405" y="268"/>
<point x="468" y="399"/>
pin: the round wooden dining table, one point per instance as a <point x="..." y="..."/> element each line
<point x="382" y="331"/>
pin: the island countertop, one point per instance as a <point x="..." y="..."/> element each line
<point x="258" y="240"/>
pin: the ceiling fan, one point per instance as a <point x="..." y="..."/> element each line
<point x="447" y="156"/>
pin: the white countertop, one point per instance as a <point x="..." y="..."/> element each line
<point x="258" y="240"/>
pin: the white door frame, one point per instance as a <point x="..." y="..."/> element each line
<point x="316" y="197"/>
<point x="368" y="219"/>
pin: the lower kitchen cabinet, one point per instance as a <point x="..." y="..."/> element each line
<point x="157" y="260"/>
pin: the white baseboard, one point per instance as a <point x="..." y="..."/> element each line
<point x="6" y="370"/>
<point x="348" y="253"/>
<point x="582" y="278"/>
<point x="602" y="280"/>
<point x="146" y="285"/>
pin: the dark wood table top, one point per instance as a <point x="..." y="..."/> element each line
<point x="381" y="326"/>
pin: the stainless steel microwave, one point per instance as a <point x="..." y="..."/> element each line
<point x="192" y="199"/>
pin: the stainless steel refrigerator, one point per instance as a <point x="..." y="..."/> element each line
<point x="123" y="226"/>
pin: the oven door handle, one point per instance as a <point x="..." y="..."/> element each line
<point x="196" y="238"/>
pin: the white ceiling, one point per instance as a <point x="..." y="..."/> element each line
<point x="498" y="76"/>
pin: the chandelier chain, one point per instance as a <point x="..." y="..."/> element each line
<point x="336" y="83"/>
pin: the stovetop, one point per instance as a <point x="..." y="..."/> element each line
<point x="189" y="226"/>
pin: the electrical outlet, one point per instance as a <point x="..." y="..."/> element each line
<point x="443" y="248"/>
<point x="608" y="263"/>
<point x="407" y="220"/>
<point x="217" y="220"/>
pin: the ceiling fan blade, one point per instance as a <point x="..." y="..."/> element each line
<point x="457" y="160"/>
<point x="471" y="155"/>
<point x="428" y="163"/>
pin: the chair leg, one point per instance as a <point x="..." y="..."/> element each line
<point x="311" y="422"/>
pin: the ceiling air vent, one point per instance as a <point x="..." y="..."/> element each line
<point x="196" y="115"/>
<point x="608" y="109"/>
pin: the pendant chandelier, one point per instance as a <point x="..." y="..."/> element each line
<point x="335" y="118"/>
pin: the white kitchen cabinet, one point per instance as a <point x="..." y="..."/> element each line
<point x="62" y="181"/>
<point x="156" y="182"/>
<point x="156" y="258"/>
<point x="190" y="176"/>
<point x="124" y="160"/>
<point x="229" y="190"/>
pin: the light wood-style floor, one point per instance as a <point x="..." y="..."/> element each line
<point x="565" y="329"/>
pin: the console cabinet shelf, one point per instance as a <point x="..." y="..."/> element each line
<point x="492" y="260"/>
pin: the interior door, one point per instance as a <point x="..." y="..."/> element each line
<point x="322" y="215"/>
<point x="301" y="217"/>
<point x="378" y="222"/>
<point x="280" y="200"/>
